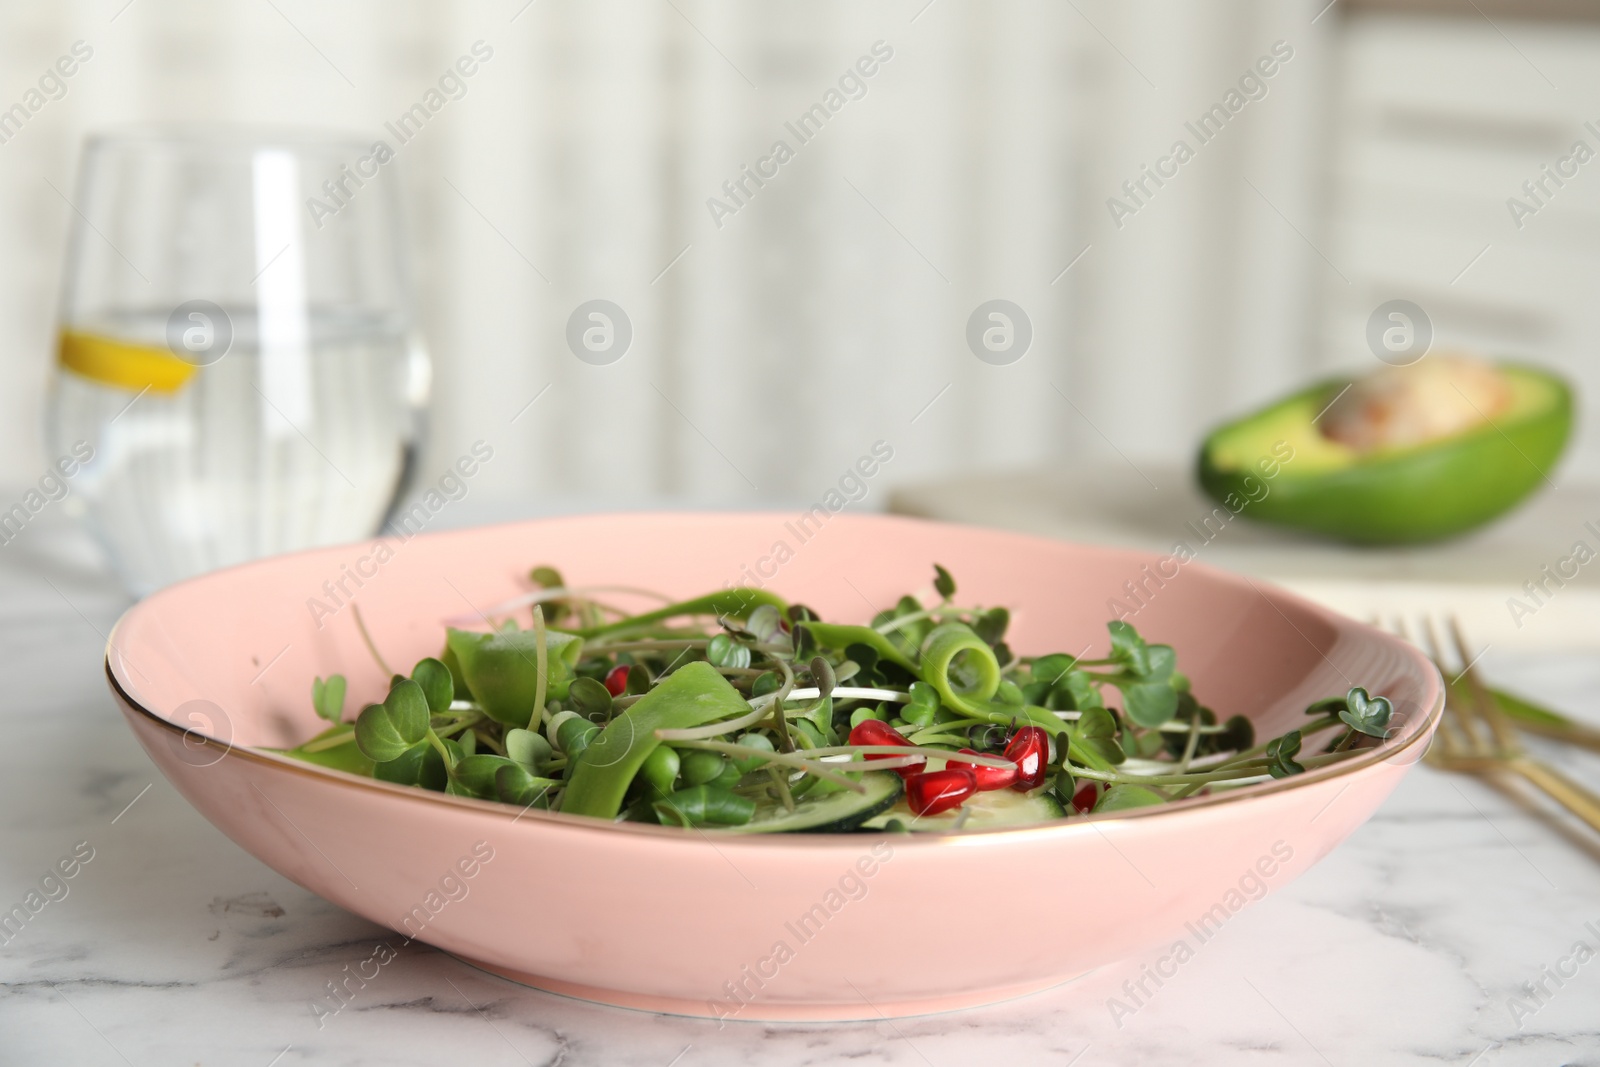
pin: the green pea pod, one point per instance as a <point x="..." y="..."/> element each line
<point x="704" y="805"/>
<point x="752" y="740"/>
<point x="501" y="671"/>
<point x="736" y="603"/>
<point x="692" y="695"/>
<point x="660" y="771"/>
<point x="946" y="642"/>
<point x="699" y="767"/>
<point x="840" y="637"/>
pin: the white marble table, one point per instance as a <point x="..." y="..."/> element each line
<point x="172" y="946"/>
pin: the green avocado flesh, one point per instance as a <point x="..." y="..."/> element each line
<point x="1423" y="493"/>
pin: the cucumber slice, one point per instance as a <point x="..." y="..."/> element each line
<point x="989" y="811"/>
<point x="832" y="812"/>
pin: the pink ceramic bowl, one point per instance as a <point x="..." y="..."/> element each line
<point x="748" y="927"/>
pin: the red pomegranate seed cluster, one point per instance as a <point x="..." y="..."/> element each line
<point x="930" y="792"/>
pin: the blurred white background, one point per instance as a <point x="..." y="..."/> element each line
<point x="829" y="312"/>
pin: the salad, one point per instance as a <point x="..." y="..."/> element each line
<point x="741" y="712"/>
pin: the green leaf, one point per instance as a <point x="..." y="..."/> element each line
<point x="704" y="805"/>
<point x="943" y="584"/>
<point x="546" y="578"/>
<point x="590" y="698"/>
<point x="1150" y="703"/>
<point x="514" y="785"/>
<point x="638" y="680"/>
<point x="864" y="712"/>
<point x="692" y="695"/>
<point x="724" y="651"/>
<point x="1097" y="722"/>
<point x="376" y="735"/>
<point x="475" y="775"/>
<point x="573" y="733"/>
<point x="1367" y="714"/>
<point x="1128" y="649"/>
<point x="1280" y="755"/>
<point x="1162" y="662"/>
<point x="340" y="757"/>
<point x="529" y="749"/>
<point x="992" y="624"/>
<point x="1106" y="748"/>
<point x="925" y="695"/>
<point x="408" y="710"/>
<point x="327" y="697"/>
<point x="841" y="637"/>
<point x="1240" y="735"/>
<point x="823" y="677"/>
<point x="764" y="622"/>
<point x="1126" y="797"/>
<point x="1096" y="732"/>
<point x="437" y="686"/>
<point x="501" y="669"/>
<point x="865" y="657"/>
<point x="1078" y="692"/>
<point x="735" y="603"/>
<point x="419" y="765"/>
<point x="1052" y="669"/>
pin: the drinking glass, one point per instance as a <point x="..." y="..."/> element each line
<point x="236" y="349"/>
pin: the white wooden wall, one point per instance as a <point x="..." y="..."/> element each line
<point x="1441" y="121"/>
<point x="827" y="313"/>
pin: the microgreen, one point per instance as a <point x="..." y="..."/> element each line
<point x="1366" y="714"/>
<point x="385" y="731"/>
<point x="734" y="710"/>
<point x="1280" y="755"/>
<point x="327" y="698"/>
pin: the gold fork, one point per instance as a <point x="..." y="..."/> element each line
<point x="1475" y="737"/>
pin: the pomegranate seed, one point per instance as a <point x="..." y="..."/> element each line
<point x="877" y="732"/>
<point x="987" y="777"/>
<point x="1030" y="751"/>
<point x="935" y="791"/>
<point x="1083" y="800"/>
<point x="617" y="680"/>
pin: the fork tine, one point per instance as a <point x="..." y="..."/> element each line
<point x="1482" y="701"/>
<point x="1476" y="743"/>
<point x="1449" y="740"/>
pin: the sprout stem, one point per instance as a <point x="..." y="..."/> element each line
<point x="365" y="636"/>
<point x="784" y="758"/>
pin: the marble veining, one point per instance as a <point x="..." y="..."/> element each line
<point x="1409" y="944"/>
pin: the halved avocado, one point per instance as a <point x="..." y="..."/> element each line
<point x="1425" y="492"/>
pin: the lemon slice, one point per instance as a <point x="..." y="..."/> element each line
<point x="123" y="364"/>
